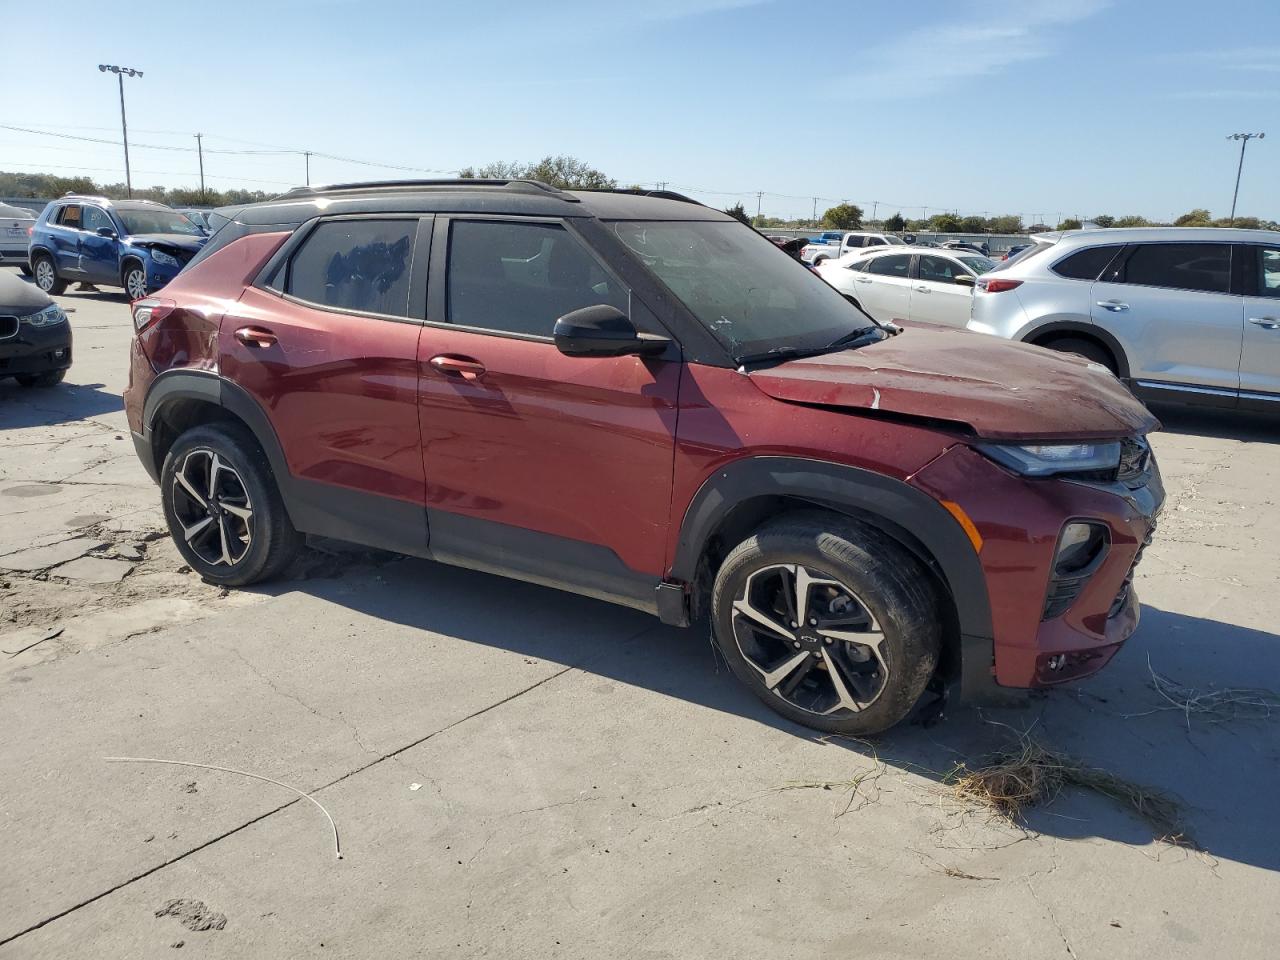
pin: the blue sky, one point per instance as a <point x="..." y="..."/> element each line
<point x="1025" y="106"/>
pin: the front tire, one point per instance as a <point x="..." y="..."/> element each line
<point x="135" y="282"/>
<point x="830" y="622"/>
<point x="1089" y="349"/>
<point x="50" y="378"/>
<point x="47" y="278"/>
<point x="223" y="507"/>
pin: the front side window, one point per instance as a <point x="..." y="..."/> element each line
<point x="752" y="297"/>
<point x="1086" y="264"/>
<point x="940" y="269"/>
<point x="95" y="219"/>
<point x="520" y="278"/>
<point x="1182" y="266"/>
<point x="898" y="265"/>
<point x="1268" y="271"/>
<point x="69" y="216"/>
<point x="361" y="265"/>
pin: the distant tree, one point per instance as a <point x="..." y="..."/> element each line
<point x="1005" y="223"/>
<point x="1243" y="223"/>
<point x="738" y="212"/>
<point x="763" y="221"/>
<point x="915" y="226"/>
<point x="843" y="216"/>
<point x="1104" y="220"/>
<point x="973" y="224"/>
<point x="1071" y="223"/>
<point x="1038" y="228"/>
<point x="895" y="224"/>
<point x="1132" y="220"/>
<point x="945" y="223"/>
<point x="567" y="173"/>
<point x="1199" y="217"/>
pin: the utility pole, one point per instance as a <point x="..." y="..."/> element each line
<point x="815" y="211"/>
<point x="759" y="194"/>
<point x="121" y="73"/>
<point x="307" y="154"/>
<point x="875" y="205"/>
<point x="200" y="153"/>
<point x="1244" y="139"/>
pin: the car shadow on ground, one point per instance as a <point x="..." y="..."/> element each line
<point x="1225" y="775"/>
<point x="45" y="406"/>
<point x="1225" y="424"/>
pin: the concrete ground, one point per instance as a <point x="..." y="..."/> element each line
<point x="517" y="772"/>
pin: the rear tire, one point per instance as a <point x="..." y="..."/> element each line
<point x="50" y="378"/>
<point x="1089" y="349"/>
<point x="223" y="507"/>
<point x="47" y="278"/>
<point x="830" y="622"/>
<point x="24" y="269"/>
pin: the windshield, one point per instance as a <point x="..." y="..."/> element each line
<point x="978" y="265"/>
<point x="753" y="297"/>
<point x="158" y="221"/>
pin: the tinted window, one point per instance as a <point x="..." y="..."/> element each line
<point x="356" y="265"/>
<point x="70" y="216"/>
<point x="522" y="277"/>
<point x="1182" y="266"/>
<point x="1085" y="264"/>
<point x="1268" y="271"/>
<point x="855" y="242"/>
<point x="95" y="219"/>
<point x="979" y="264"/>
<point x="939" y="269"/>
<point x="897" y="265"/>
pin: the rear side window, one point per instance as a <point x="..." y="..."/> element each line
<point x="69" y="216"/>
<point x="1182" y="266"/>
<point x="522" y="277"/>
<point x="1268" y="271"/>
<point x="897" y="265"/>
<point x="1086" y="264"/>
<point x="855" y="241"/>
<point x="361" y="265"/>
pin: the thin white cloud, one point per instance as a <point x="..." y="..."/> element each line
<point x="1243" y="59"/>
<point x="1219" y="95"/>
<point x="926" y="60"/>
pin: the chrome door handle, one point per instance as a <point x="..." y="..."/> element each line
<point x="1267" y="323"/>
<point x="1115" y="306"/>
<point x="861" y="279"/>
<point x="256" y="337"/>
<point x="923" y="289"/>
<point x="464" y="367"/>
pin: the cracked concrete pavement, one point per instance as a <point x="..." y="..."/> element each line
<point x="592" y="784"/>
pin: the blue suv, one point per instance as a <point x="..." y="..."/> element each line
<point x="135" y="244"/>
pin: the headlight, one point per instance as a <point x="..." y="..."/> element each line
<point x="1045" y="460"/>
<point x="162" y="258"/>
<point x="50" y="316"/>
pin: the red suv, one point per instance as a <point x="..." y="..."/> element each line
<point x="637" y="398"/>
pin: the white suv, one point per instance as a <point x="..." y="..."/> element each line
<point x="1182" y="314"/>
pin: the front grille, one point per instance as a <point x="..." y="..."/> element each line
<point x="1123" y="596"/>
<point x="8" y="327"/>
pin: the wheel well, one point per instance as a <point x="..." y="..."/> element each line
<point x="178" y="416"/>
<point x="1054" y="336"/>
<point x="124" y="265"/>
<point x="746" y="517"/>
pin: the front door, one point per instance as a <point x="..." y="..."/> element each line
<point x="1260" y="358"/>
<point x="552" y="468"/>
<point x="330" y="356"/>
<point x="884" y="288"/>
<point x="1170" y="305"/>
<point x="99" y="260"/>
<point x="935" y="295"/>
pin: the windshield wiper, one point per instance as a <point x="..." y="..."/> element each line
<point x="849" y="341"/>
<point x="854" y="337"/>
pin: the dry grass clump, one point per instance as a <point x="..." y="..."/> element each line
<point x="1031" y="774"/>
<point x="1212" y="706"/>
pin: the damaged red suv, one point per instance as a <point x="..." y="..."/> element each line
<point x="637" y="398"/>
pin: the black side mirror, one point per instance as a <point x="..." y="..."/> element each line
<point x="603" y="331"/>
<point x="106" y="232"/>
<point x="964" y="279"/>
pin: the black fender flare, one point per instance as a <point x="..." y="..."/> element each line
<point x="1087" y="330"/>
<point x="918" y="521"/>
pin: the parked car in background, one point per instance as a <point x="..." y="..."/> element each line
<point x="199" y="217"/>
<point x="893" y="284"/>
<point x="35" y="336"/>
<point x="1016" y="249"/>
<point x="642" y="400"/>
<point x="846" y="242"/>
<point x="1178" y="313"/>
<point x="15" y="234"/>
<point x="135" y="244"/>
<point x="973" y="246"/>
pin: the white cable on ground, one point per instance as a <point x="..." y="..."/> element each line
<point x="244" y="773"/>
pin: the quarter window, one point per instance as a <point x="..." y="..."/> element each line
<point x="69" y="216"/>
<point x="1268" y="271"/>
<point x="898" y="265"/>
<point x="521" y="277"/>
<point x="1086" y="264"/>
<point x="1182" y="266"/>
<point x="361" y="265"/>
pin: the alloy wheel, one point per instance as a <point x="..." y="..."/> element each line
<point x="45" y="276"/>
<point x="813" y="641"/>
<point x="211" y="503"/>
<point x="135" y="284"/>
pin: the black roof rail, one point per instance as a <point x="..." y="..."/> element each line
<point x="641" y="192"/>
<point x="466" y="183"/>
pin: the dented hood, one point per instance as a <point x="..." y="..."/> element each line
<point x="995" y="388"/>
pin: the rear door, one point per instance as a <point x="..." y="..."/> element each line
<point x="935" y="295"/>
<point x="64" y="239"/>
<point x="328" y="349"/>
<point x="1171" y="308"/>
<point x="884" y="288"/>
<point x="1260" y="357"/>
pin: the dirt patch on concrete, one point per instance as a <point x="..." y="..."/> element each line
<point x="193" y="915"/>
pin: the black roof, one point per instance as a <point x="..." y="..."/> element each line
<point x="516" y="197"/>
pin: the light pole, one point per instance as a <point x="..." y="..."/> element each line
<point x="1244" y="139"/>
<point x="121" y="73"/>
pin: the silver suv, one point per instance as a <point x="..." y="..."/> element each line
<point x="1182" y="314"/>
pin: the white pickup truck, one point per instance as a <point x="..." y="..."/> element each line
<point x="834" y="245"/>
